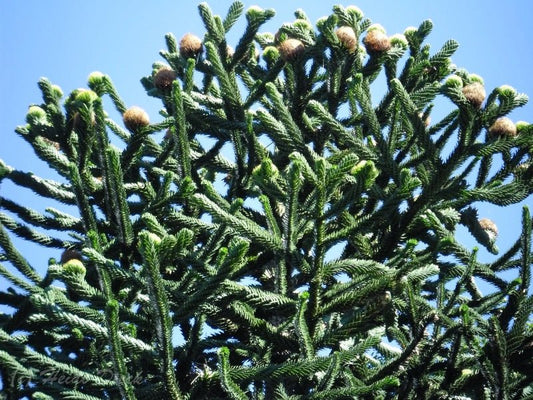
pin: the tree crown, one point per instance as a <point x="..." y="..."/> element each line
<point x="290" y="237"/>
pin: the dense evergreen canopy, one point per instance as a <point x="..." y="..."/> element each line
<point x="290" y="237"/>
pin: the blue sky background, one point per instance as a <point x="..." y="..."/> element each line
<point x="67" y="40"/>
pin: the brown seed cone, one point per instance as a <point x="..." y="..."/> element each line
<point x="347" y="37"/>
<point x="70" y="254"/>
<point x="291" y="49"/>
<point x="489" y="227"/>
<point x="376" y="41"/>
<point x="190" y="45"/>
<point x="503" y="127"/>
<point x="135" y="118"/>
<point x="475" y="94"/>
<point x="163" y="78"/>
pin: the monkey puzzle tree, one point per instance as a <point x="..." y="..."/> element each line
<point x="290" y="237"/>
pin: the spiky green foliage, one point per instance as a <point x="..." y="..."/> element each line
<point x="317" y="260"/>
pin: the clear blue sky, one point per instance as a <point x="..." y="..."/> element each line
<point x="67" y="40"/>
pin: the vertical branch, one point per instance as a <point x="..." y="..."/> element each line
<point x="302" y="329"/>
<point x="290" y="222"/>
<point x="215" y="31"/>
<point x="188" y="82"/>
<point x="120" y="370"/>
<point x="228" y="84"/>
<point x="255" y="20"/>
<point x="229" y="386"/>
<point x="467" y="274"/>
<point x="526" y="251"/>
<point x="180" y="126"/>
<point x="318" y="260"/>
<point x="255" y="150"/>
<point x="240" y="152"/>
<point x="162" y="318"/>
<point x="500" y="360"/>
<point x="117" y="196"/>
<point x="271" y="220"/>
<point x="86" y="211"/>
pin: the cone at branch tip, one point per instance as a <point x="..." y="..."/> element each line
<point x="347" y="37"/>
<point x="163" y="78"/>
<point x="135" y="118"/>
<point x="475" y="94"/>
<point x="291" y="49"/>
<point x="376" y="40"/>
<point x="190" y="46"/>
<point x="503" y="127"/>
<point x="489" y="227"/>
